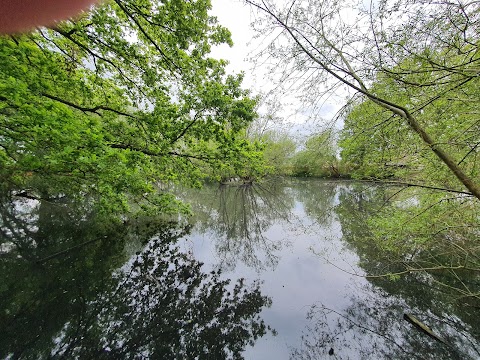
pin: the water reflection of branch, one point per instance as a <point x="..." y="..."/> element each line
<point x="437" y="270"/>
<point x="245" y="213"/>
<point x="14" y="229"/>
<point x="389" y="275"/>
<point x="160" y="304"/>
<point x="244" y="221"/>
<point x="373" y="327"/>
<point x="346" y="337"/>
<point x="70" y="249"/>
<point x="318" y="198"/>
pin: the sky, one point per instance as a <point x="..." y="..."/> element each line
<point x="237" y="17"/>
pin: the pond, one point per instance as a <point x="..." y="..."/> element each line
<point x="271" y="271"/>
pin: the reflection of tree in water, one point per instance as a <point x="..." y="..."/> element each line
<point x="318" y="198"/>
<point x="15" y="230"/>
<point x="427" y="291"/>
<point x="38" y="228"/>
<point x="164" y="306"/>
<point x="373" y="328"/>
<point x="38" y="292"/>
<point x="357" y="203"/>
<point x="159" y="305"/>
<point x="373" y="325"/>
<point x="240" y="217"/>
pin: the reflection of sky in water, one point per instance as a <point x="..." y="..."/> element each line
<point x="299" y="280"/>
<point x="316" y="274"/>
<point x="299" y="240"/>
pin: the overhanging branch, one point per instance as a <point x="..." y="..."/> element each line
<point x="86" y="109"/>
<point x="303" y="42"/>
<point x="159" y="154"/>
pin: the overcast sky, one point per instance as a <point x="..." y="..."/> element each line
<point x="237" y="17"/>
<point x="234" y="15"/>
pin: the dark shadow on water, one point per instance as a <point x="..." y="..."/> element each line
<point x="95" y="300"/>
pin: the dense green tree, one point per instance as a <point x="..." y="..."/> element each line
<point x="119" y="100"/>
<point x="278" y="152"/>
<point x="375" y="152"/>
<point x="319" y="158"/>
<point x="376" y="145"/>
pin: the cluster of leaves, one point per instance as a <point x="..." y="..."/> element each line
<point x="319" y="158"/>
<point x="118" y="101"/>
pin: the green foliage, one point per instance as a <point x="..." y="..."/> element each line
<point x="319" y="157"/>
<point x="426" y="57"/>
<point x="116" y="102"/>
<point x="378" y="145"/>
<point x="374" y="145"/>
<point x="279" y="151"/>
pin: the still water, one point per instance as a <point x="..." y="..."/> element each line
<point x="271" y="271"/>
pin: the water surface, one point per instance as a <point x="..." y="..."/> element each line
<point x="75" y="287"/>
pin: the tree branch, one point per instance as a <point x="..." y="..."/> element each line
<point x="393" y="107"/>
<point x="85" y="109"/>
<point x="76" y="247"/>
<point x="149" y="38"/>
<point x="97" y="56"/>
<point x="407" y="184"/>
<point x="184" y="131"/>
<point x="158" y="154"/>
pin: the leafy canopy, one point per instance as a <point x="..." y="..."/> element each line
<point x="119" y="102"/>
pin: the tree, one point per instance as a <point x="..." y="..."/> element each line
<point x="279" y="149"/>
<point x="373" y="151"/>
<point x="117" y="101"/>
<point x="430" y="48"/>
<point x="319" y="158"/>
<point x="375" y="143"/>
<point x="272" y="130"/>
<point x="410" y="69"/>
